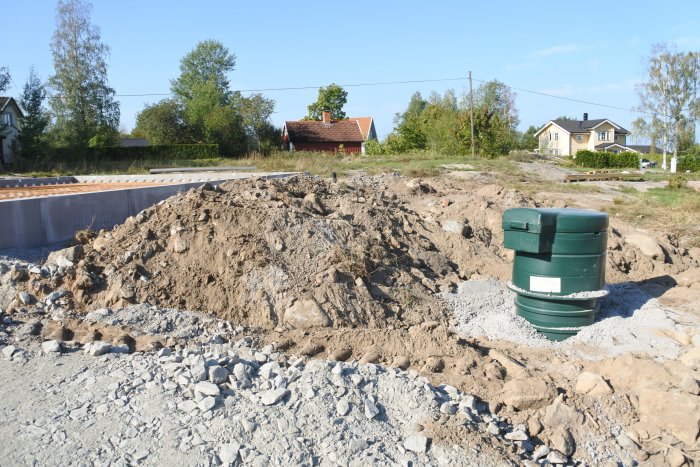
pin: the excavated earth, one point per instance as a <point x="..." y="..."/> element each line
<point x="369" y="269"/>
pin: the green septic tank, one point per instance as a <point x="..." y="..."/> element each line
<point x="559" y="266"/>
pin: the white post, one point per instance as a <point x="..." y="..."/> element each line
<point x="674" y="162"/>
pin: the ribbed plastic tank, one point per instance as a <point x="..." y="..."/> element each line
<point x="559" y="266"/>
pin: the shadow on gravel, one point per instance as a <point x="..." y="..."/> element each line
<point x="626" y="298"/>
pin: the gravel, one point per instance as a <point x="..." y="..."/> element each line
<point x="629" y="320"/>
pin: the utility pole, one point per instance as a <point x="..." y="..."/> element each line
<point x="471" y="112"/>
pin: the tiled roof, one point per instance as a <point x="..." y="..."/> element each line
<point x="342" y="131"/>
<point x="3" y="102"/>
<point x="365" y="125"/>
<point x="584" y="126"/>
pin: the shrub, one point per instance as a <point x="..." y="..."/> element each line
<point x="677" y="182"/>
<point x="138" y="153"/>
<point x="688" y="163"/>
<point x="602" y="160"/>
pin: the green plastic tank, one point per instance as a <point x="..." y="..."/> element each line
<point x="559" y="266"/>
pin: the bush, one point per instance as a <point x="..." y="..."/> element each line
<point x="603" y="160"/>
<point x="677" y="182"/>
<point x="137" y="153"/>
<point x="688" y="163"/>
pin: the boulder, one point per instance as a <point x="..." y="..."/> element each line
<point x="691" y="358"/>
<point x="592" y="384"/>
<point x="676" y="413"/>
<point x="646" y="243"/>
<point x="304" y="314"/>
<point x="527" y="393"/>
<point x="559" y="414"/>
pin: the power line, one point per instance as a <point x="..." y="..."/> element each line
<point x="415" y="81"/>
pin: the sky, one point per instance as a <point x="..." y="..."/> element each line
<point x="587" y="51"/>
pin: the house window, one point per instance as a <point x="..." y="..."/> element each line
<point x="550" y="136"/>
<point x="604" y="136"/>
<point x="8" y="119"/>
<point x="556" y="136"/>
<point x="579" y="138"/>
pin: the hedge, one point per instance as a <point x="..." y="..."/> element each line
<point x="688" y="163"/>
<point x="602" y="160"/>
<point x="138" y="153"/>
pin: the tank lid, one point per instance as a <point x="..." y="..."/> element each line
<point x="543" y="220"/>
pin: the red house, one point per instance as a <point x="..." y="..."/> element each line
<point x="328" y="136"/>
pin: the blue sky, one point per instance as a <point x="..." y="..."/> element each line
<point x="591" y="51"/>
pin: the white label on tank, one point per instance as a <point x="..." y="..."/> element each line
<point x="545" y="284"/>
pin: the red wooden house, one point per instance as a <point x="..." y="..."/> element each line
<point x="328" y="136"/>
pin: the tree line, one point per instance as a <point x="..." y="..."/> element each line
<point x="83" y="112"/>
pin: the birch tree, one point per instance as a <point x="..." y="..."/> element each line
<point x="84" y="110"/>
<point x="670" y="96"/>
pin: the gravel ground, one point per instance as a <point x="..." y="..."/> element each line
<point x="223" y="404"/>
<point x="629" y="320"/>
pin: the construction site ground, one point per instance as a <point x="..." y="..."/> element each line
<point x="362" y="321"/>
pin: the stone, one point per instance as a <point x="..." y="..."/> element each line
<point x="342" y="408"/>
<point x="690" y="385"/>
<point x="493" y="429"/>
<point x="562" y="441"/>
<point x="454" y="226"/>
<point x="206" y="404"/>
<point x="269" y="370"/>
<point x="534" y="426"/>
<point x="51" y="346"/>
<point x="540" y="452"/>
<point x="371" y="409"/>
<point x="560" y="414"/>
<point x="304" y="314"/>
<point x="341" y="354"/>
<point x="516" y="435"/>
<point x="66" y="257"/>
<point x="198" y="372"/>
<point x="675" y="458"/>
<point x="98" y="348"/>
<point x="514" y="368"/>
<point x="527" y="393"/>
<point x="9" y="350"/>
<point x="556" y="457"/>
<point x="228" y="453"/>
<point x="187" y="406"/>
<point x="691" y="358"/>
<point x="273" y="396"/>
<point x="26" y="299"/>
<point x="179" y="245"/>
<point x="592" y="384"/>
<point x="448" y="408"/>
<point x="416" y="443"/>
<point x="676" y="413"/>
<point x="646" y="244"/>
<point x="313" y="201"/>
<point x="370" y="357"/>
<point x="207" y="388"/>
<point x="218" y="374"/>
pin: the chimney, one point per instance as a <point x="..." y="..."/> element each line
<point x="327" y="117"/>
<point x="585" y="116"/>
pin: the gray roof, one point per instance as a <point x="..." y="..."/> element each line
<point x="645" y="148"/>
<point x="4" y="101"/>
<point x="584" y="126"/>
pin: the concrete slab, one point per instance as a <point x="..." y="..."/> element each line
<point x="34" y="222"/>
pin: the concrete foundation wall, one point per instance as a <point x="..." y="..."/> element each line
<point x="34" y="222"/>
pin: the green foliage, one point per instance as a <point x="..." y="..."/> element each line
<point x="4" y="82"/>
<point x="162" y="123"/>
<point x="442" y="124"/>
<point x="136" y="153"/>
<point x="84" y="106"/>
<point x="677" y="182"/>
<point x="689" y="163"/>
<point x="332" y="98"/>
<point x="374" y="148"/>
<point x="528" y="140"/>
<point x="32" y="136"/>
<point x="603" y="160"/>
<point x="204" y="74"/>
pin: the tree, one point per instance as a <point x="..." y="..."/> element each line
<point x="255" y="111"/>
<point x="4" y="82"/>
<point x="162" y="123"/>
<point x="670" y="96"/>
<point x="528" y="140"/>
<point x="84" y="109"/>
<point x="32" y="135"/>
<point x="332" y="98"/>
